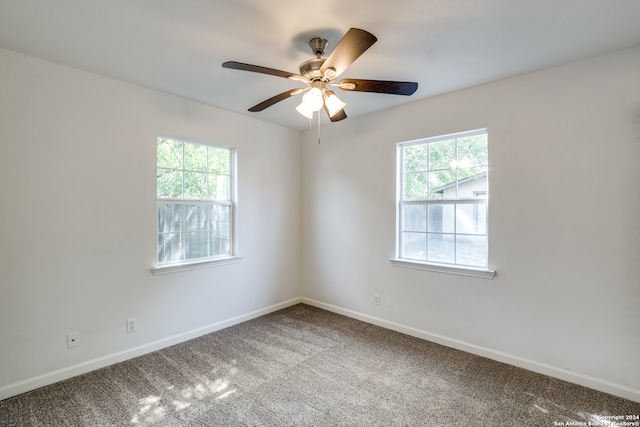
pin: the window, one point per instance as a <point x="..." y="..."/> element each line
<point x="195" y="190"/>
<point x="443" y="199"/>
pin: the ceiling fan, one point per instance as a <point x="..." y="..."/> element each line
<point x="320" y="75"/>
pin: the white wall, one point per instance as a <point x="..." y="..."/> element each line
<point x="566" y="296"/>
<point x="78" y="221"/>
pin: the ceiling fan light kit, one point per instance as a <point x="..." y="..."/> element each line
<point x="333" y="103"/>
<point x="305" y="110"/>
<point x="319" y="73"/>
<point x="313" y="99"/>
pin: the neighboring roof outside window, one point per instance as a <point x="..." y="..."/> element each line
<point x="462" y="181"/>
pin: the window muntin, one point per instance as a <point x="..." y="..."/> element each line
<point x="195" y="201"/>
<point x="443" y="199"/>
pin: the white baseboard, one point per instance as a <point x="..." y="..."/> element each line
<point x="542" y="368"/>
<point x="101" y="362"/>
<point x="531" y="365"/>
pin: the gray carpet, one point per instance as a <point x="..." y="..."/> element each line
<point x="303" y="366"/>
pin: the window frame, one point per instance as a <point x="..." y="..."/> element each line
<point x="231" y="203"/>
<point x="451" y="268"/>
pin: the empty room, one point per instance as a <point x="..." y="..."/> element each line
<point x="344" y="213"/>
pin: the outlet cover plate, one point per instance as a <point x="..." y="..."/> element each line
<point x="131" y="325"/>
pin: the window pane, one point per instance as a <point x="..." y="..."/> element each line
<point x="441" y="248"/>
<point x="219" y="187"/>
<point x="480" y="216"/>
<point x="221" y="213"/>
<point x="472" y="150"/>
<point x="414" y="246"/>
<point x="197" y="217"/>
<point x="471" y="218"/>
<point x="170" y="247"/>
<point x="416" y="186"/>
<point x="415" y="158"/>
<point x="442" y="185"/>
<point x="219" y="245"/>
<point x="195" y="157"/>
<point x="169" y="184"/>
<point x="196" y="245"/>
<point x="195" y="185"/>
<point x="441" y="218"/>
<point x="170" y="218"/>
<point x="472" y="181"/>
<point x="219" y="160"/>
<point x="414" y="218"/>
<point x="220" y="223"/>
<point x="471" y="250"/>
<point x="169" y="154"/>
<point x="442" y="154"/>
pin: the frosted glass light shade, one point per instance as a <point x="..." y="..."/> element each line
<point x="304" y="110"/>
<point x="313" y="99"/>
<point x="333" y="103"/>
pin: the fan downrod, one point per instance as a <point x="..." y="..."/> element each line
<point x="311" y="69"/>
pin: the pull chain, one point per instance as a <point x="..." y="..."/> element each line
<point x="318" y="127"/>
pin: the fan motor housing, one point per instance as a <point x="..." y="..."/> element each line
<point x="311" y="69"/>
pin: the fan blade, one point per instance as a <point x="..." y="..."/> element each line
<point x="262" y="70"/>
<point x="379" y="86"/>
<point x="275" y="99"/>
<point x="340" y="115"/>
<point x="352" y="45"/>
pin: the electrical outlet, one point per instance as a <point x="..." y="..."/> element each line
<point x="73" y="339"/>
<point x="131" y="325"/>
<point x="376" y="299"/>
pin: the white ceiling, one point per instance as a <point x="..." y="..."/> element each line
<point x="178" y="46"/>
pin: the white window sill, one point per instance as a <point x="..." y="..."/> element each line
<point x="195" y="265"/>
<point x="442" y="268"/>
